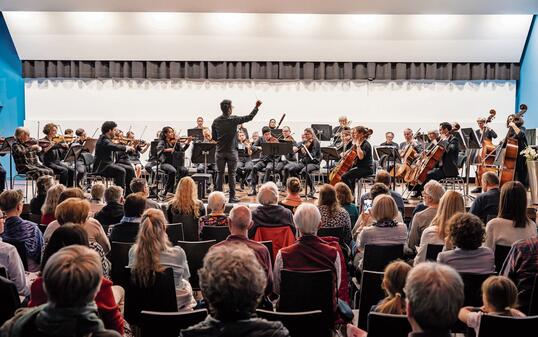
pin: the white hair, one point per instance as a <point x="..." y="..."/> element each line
<point x="268" y="194"/>
<point x="435" y="190"/>
<point x="216" y="201"/>
<point x="240" y="217"/>
<point x="307" y="218"/>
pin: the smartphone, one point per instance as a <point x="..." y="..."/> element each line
<point x="367" y="205"/>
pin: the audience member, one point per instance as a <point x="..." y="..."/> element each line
<point x="43" y="184"/>
<point x="512" y="223"/>
<point x="153" y="252"/>
<point x="292" y="199"/>
<point x="51" y="201"/>
<point x="384" y="178"/>
<point x="18" y="229"/>
<point x="97" y="195"/>
<point x="233" y="283"/>
<point x="140" y="185"/>
<point x="345" y="199"/>
<point x="270" y="213"/>
<point x="67" y="313"/>
<point x="71" y="192"/>
<point x="108" y="295"/>
<point x="127" y="229"/>
<point x="451" y="203"/>
<point x="332" y="214"/>
<point x="466" y="233"/>
<point x="112" y="212"/>
<point x="185" y="206"/>
<point x="487" y="204"/>
<point x="10" y="259"/>
<point x="393" y="284"/>
<point x="216" y="202"/>
<point x="499" y="295"/>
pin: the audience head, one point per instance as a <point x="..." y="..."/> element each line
<point x="139" y="185"/>
<point x="451" y="203"/>
<point x="44" y="183"/>
<point x="134" y="205"/>
<point x="378" y="189"/>
<point x="327" y="197"/>
<point x="434" y="296"/>
<point x="71" y="192"/>
<point x="393" y="284"/>
<point x="11" y="202"/>
<point x="232" y="281"/>
<point x="268" y="194"/>
<point x="433" y="192"/>
<point x="384" y="208"/>
<point x="466" y="231"/>
<point x="383" y="177"/>
<point x="62" y="237"/>
<point x="240" y="219"/>
<point x="216" y="201"/>
<point x="52" y="199"/>
<point x="343" y="194"/>
<point x="307" y="219"/>
<point x="185" y="200"/>
<point x="293" y="185"/>
<point x="76" y="269"/>
<point x="98" y="191"/>
<point x="114" y="194"/>
<point x="72" y="210"/>
<point x="513" y="203"/>
<point x="489" y="180"/>
<point x="499" y="294"/>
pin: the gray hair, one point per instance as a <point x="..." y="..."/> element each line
<point x="113" y="194"/>
<point x="216" y="201"/>
<point x="435" y="295"/>
<point x="307" y="219"/>
<point x="490" y="179"/>
<point x="240" y="217"/>
<point x="435" y="190"/>
<point x="268" y="194"/>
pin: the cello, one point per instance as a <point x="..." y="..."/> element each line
<point x="346" y="162"/>
<point x="486" y="157"/>
<point x="508" y="166"/>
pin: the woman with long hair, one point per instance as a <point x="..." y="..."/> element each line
<point x="51" y="201"/>
<point x="332" y="214"/>
<point x="345" y="199"/>
<point x="153" y="252"/>
<point x="185" y="202"/>
<point x="393" y="284"/>
<point x="364" y="164"/>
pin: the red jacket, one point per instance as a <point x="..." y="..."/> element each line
<point x="109" y="312"/>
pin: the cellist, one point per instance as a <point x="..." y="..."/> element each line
<point x="364" y="164"/>
<point x="517" y="130"/>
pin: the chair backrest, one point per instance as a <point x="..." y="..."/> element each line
<point x="190" y="227"/>
<point x="332" y="231"/>
<point x="3" y="271"/>
<point x="306" y="291"/>
<point x="21" y="249"/>
<point x="160" y="296"/>
<point x="299" y="324"/>
<point x="533" y="301"/>
<point x="383" y="325"/>
<point x="494" y="326"/>
<point x="42" y="227"/>
<point x="195" y="251"/>
<point x="217" y="233"/>
<point x="290" y="207"/>
<point x="501" y="252"/>
<point x="432" y="251"/>
<point x="269" y="245"/>
<point x="377" y="257"/>
<point x="35" y="218"/>
<point x="472" y="288"/>
<point x="371" y="294"/>
<point x="119" y="258"/>
<point x="175" y="232"/>
<point x="10" y="299"/>
<point x="169" y="324"/>
<point x="281" y="237"/>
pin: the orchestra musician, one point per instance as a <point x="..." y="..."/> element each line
<point x="488" y="133"/>
<point x="199" y="123"/>
<point x="224" y="132"/>
<point x="272" y="124"/>
<point x="389" y="140"/>
<point x="241" y="128"/>
<point x="265" y="162"/>
<point x="290" y="157"/>
<point x="255" y="137"/>
<point x="309" y="157"/>
<point x="25" y="155"/>
<point x="68" y="132"/>
<point x="54" y="154"/>
<point x="364" y="164"/>
<point x="433" y="138"/>
<point x="343" y="123"/>
<point x="104" y="163"/>
<point x="408" y="135"/>
<point x="140" y="147"/>
<point x="517" y="130"/>
<point x="244" y="164"/>
<point x="171" y="156"/>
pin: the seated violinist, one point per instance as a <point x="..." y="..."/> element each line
<point x="54" y="154"/>
<point x="25" y="151"/>
<point x="171" y="155"/>
<point x="265" y="161"/>
<point x="140" y="147"/>
<point x="289" y="158"/>
<point x="244" y="164"/>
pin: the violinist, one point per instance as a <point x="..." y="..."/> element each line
<point x="309" y="156"/>
<point x="272" y="124"/>
<point x="343" y="124"/>
<point x="25" y="155"/>
<point x="104" y="162"/>
<point x="243" y="129"/>
<point x="140" y="147"/>
<point x="171" y="156"/>
<point x="517" y="130"/>
<point x="68" y="133"/>
<point x="484" y="132"/>
<point x="244" y="164"/>
<point x="265" y="162"/>
<point x="364" y="164"/>
<point x="289" y="158"/>
<point x="55" y="153"/>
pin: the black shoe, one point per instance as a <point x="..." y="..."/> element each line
<point x="242" y="186"/>
<point x="416" y="195"/>
<point x="252" y="193"/>
<point x="233" y="200"/>
<point x="311" y="195"/>
<point x="477" y="190"/>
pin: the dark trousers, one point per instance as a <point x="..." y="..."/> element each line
<point x="223" y="159"/>
<point x="243" y="170"/>
<point x="36" y="171"/>
<point x="258" y="167"/>
<point x="355" y="173"/>
<point x="305" y="173"/>
<point x="66" y="173"/>
<point x="292" y="169"/>
<point x="3" y="175"/>
<point x="122" y="175"/>
<point x="172" y="175"/>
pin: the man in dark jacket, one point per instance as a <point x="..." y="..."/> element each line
<point x="487" y="204"/>
<point x="127" y="229"/>
<point x="112" y="212"/>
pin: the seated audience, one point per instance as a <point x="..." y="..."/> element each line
<point x="499" y="295"/>
<point x="432" y="194"/>
<point x="393" y="284"/>
<point x="385" y="230"/>
<point x="97" y="195"/>
<point x="384" y="178"/>
<point x="43" y="184"/>
<point x="487" y="203"/>
<point x="345" y="199"/>
<point x="240" y="220"/>
<point x="292" y="199"/>
<point x="140" y="185"/>
<point x="127" y="229"/>
<point x="71" y="192"/>
<point x="10" y="259"/>
<point x="18" y="229"/>
<point x="107" y="296"/>
<point x="466" y="233"/>
<point x="512" y="223"/>
<point x="66" y="313"/>
<point x="153" y="252"/>
<point x="112" y="212"/>
<point x="451" y="203"/>
<point x="51" y="201"/>
<point x="332" y="214"/>
<point x="233" y="283"/>
<point x="216" y="202"/>
<point x="185" y="206"/>
<point x="270" y="213"/>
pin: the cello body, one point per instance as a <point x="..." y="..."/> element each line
<point x="343" y="166"/>
<point x="487" y="160"/>
<point x="508" y="168"/>
<point x="428" y="163"/>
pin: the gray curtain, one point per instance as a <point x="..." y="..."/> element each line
<point x="309" y="71"/>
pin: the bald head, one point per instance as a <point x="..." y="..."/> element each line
<point x="240" y="219"/>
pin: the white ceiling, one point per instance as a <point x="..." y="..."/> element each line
<point x="282" y="6"/>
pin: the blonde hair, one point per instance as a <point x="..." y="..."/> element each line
<point x="500" y="292"/>
<point x="98" y="191"/>
<point x="393" y="284"/>
<point x="73" y="210"/>
<point x="52" y="198"/>
<point x="384" y="208"/>
<point x="185" y="201"/>
<point x="451" y="203"/>
<point x="150" y="242"/>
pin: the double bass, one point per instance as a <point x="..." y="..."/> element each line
<point x="486" y="157"/>
<point x="508" y="166"/>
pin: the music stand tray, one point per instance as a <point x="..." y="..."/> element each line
<point x="275" y="150"/>
<point x="390" y="151"/>
<point x="203" y="153"/>
<point x="324" y="132"/>
<point x="277" y="133"/>
<point x="472" y="142"/>
<point x="330" y="153"/>
<point x="72" y="155"/>
<point x="89" y="145"/>
<point x="196" y="134"/>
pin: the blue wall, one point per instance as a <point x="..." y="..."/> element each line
<point x="527" y="89"/>
<point x="11" y="87"/>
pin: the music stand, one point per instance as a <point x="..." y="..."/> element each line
<point x="196" y="134"/>
<point x="203" y="153"/>
<point x="323" y="132"/>
<point x="276" y="150"/>
<point x="277" y="133"/>
<point x="329" y="154"/>
<point x="89" y="145"/>
<point x="470" y="144"/>
<point x="393" y="154"/>
<point x="6" y="149"/>
<point x="72" y="155"/>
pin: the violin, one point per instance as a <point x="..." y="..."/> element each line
<point x="43" y="143"/>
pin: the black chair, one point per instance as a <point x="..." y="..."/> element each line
<point x="175" y="232"/>
<point x="494" y="326"/>
<point x="269" y="245"/>
<point x="377" y="257"/>
<point x="217" y="233"/>
<point x="299" y="324"/>
<point x="383" y="325"/>
<point x="42" y="227"/>
<point x="370" y="294"/>
<point x="432" y="251"/>
<point x="35" y="218"/>
<point x="21" y="249"/>
<point x="472" y="288"/>
<point x="119" y="258"/>
<point x="501" y="252"/>
<point x="332" y="231"/>
<point x="533" y="300"/>
<point x="306" y="291"/>
<point x="195" y="251"/>
<point x="160" y="296"/>
<point x="10" y="299"/>
<point x="3" y="271"/>
<point x="169" y="324"/>
<point x="190" y="227"/>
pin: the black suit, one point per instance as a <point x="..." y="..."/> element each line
<point x="174" y="169"/>
<point x="124" y="232"/>
<point x="105" y="166"/>
<point x="52" y="158"/>
<point x="448" y="165"/>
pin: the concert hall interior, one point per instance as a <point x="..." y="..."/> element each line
<point x="268" y="168"/>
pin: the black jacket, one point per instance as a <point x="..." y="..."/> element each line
<point x="315" y="152"/>
<point x="252" y="327"/>
<point x="104" y="149"/>
<point x="54" y="155"/>
<point x="168" y="157"/>
<point x="449" y="161"/>
<point x="110" y="214"/>
<point x="224" y="130"/>
<point x="124" y="232"/>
